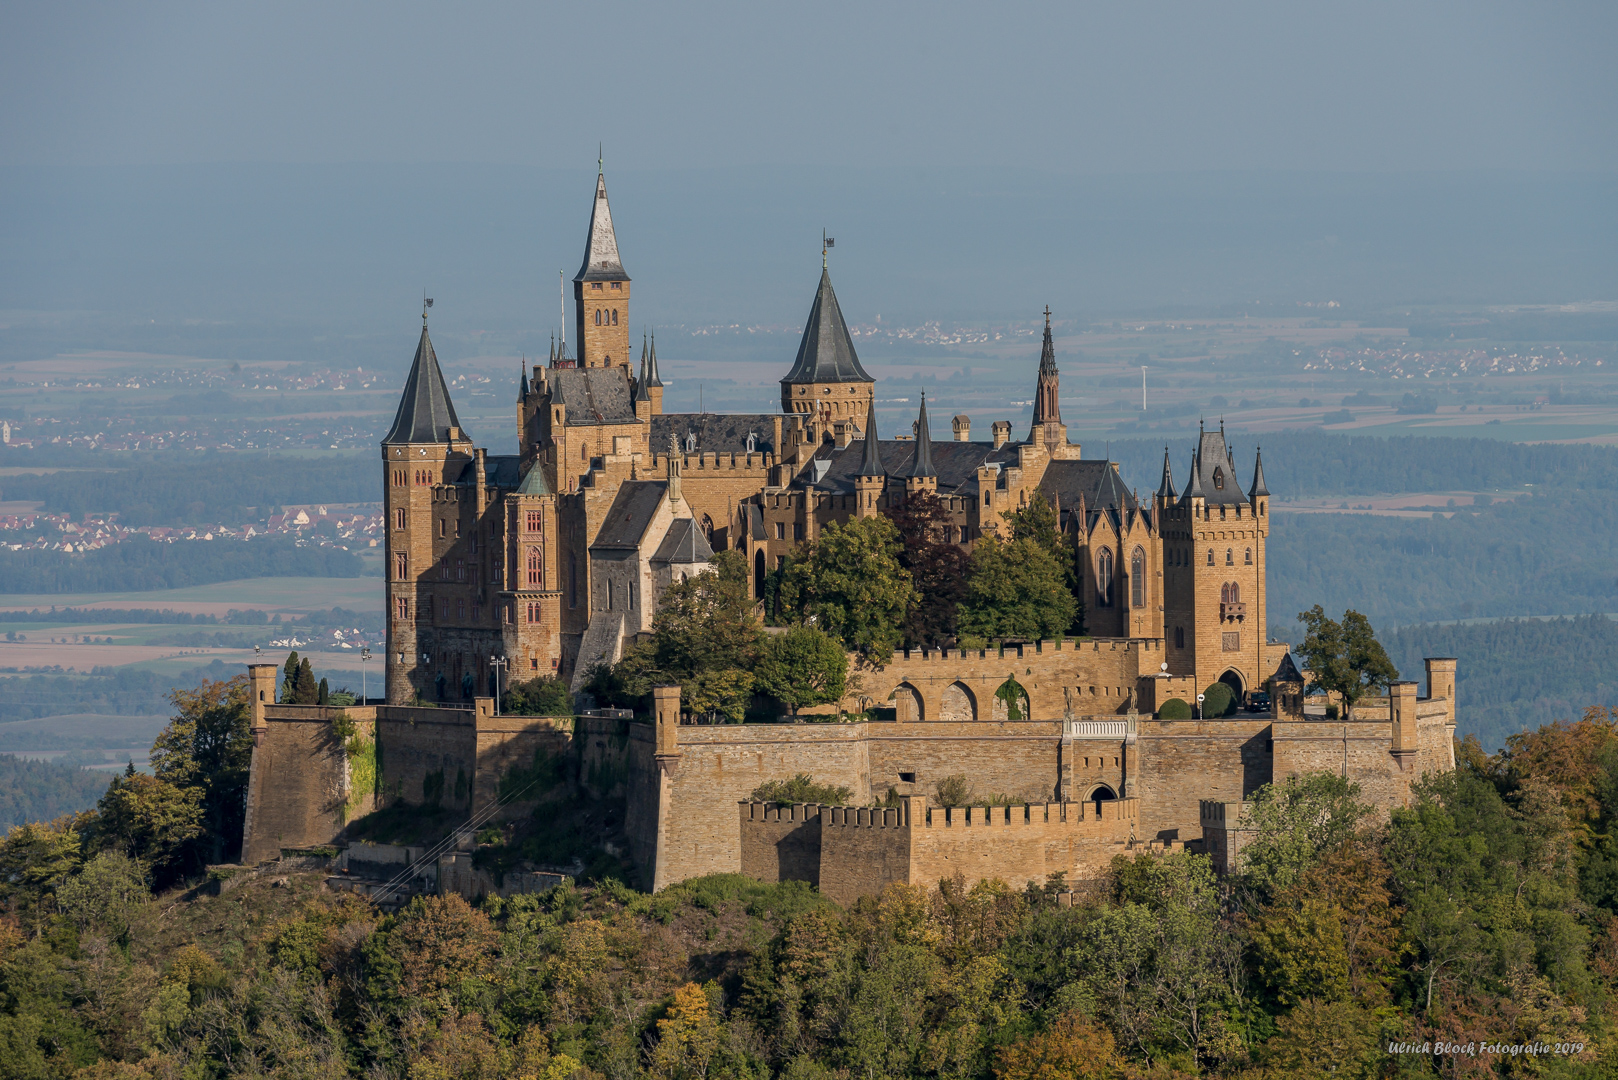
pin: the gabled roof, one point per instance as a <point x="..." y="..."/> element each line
<point x="954" y="463"/>
<point x="826" y="353"/>
<point x="632" y="511"/>
<point x="717" y="433"/>
<point x="499" y="470"/>
<point x="684" y="543"/>
<point x="425" y="412"/>
<point x="601" y="261"/>
<point x="1092" y="483"/>
<point x="593" y="395"/>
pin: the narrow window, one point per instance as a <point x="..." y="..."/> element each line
<point x="443" y="611"/>
<point x="399" y="518"/>
<point x="1224" y="593"/>
<point x="441" y="528"/>
<point x="780" y="530"/>
<point x="584" y="453"/>
<point x="401" y="565"/>
<point x="536" y="569"/>
<point x="1137" y="578"/>
<point x="1210" y="557"/>
<point x="460" y="569"/>
<point x="573" y="581"/>
<point x="1235" y="592"/>
<point x="460" y="611"/>
<point x="615" y="316"/>
<point x="797" y="530"/>
<point x="598" y="315"/>
<point x="401" y="608"/>
<point x="1104" y="578"/>
<point x="1230" y="557"/>
<point x="1249" y="556"/>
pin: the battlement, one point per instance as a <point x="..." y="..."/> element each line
<point x="852" y="851"/>
<point x="756" y="464"/>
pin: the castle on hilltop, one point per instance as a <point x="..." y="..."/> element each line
<point x="554" y="558"/>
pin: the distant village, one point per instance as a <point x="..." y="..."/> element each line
<point x="350" y="527"/>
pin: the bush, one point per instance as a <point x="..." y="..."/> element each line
<point x="1217" y="700"/>
<point x="1175" y="709"/>
<point x="801" y="789"/>
<point x="953" y="790"/>
<point x="546" y="696"/>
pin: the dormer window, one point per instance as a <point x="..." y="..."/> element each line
<point x="1219" y="479"/>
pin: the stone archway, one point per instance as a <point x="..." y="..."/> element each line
<point x="1233" y="679"/>
<point x="958" y="703"/>
<point x="1011" y="701"/>
<point x="1099" y="794"/>
<point x="907" y="707"/>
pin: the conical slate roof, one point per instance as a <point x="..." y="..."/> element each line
<point x="651" y="365"/>
<point x="601" y="261"/>
<point x="1258" y="476"/>
<point x="1288" y="671"/>
<point x="1193" y="489"/>
<point x="922" y="463"/>
<point x="872" y="464"/>
<point x="1047" y="352"/>
<point x="641" y="391"/>
<point x="1166" y="488"/>
<point x="826" y="353"/>
<point x="425" y="411"/>
<point x="534" y="482"/>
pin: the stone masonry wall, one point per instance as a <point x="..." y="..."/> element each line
<point x="1182" y="762"/>
<point x="781" y="843"/>
<point x="297" y="784"/>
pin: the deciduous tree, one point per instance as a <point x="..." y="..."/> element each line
<point x="803" y="667"/>
<point x="1015" y="591"/>
<point x="1344" y="658"/>
<point x="852" y="585"/>
<point x="208" y="747"/>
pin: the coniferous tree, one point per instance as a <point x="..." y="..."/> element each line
<point x="289" y="679"/>
<point x="305" y="691"/>
<point x="936" y="565"/>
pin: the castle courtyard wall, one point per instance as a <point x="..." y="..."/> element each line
<point x="1182" y="762"/>
<point x="298" y="782"/>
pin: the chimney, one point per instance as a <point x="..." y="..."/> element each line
<point x="963" y="428"/>
<point x="1002" y="433"/>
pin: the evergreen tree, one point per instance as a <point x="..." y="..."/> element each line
<point x="323" y="696"/>
<point x="289" y="679"/>
<point x="936" y="565"/>
<point x="305" y="691"/>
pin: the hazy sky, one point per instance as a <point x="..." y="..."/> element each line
<point x="1112" y="87"/>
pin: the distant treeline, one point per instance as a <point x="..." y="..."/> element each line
<point x="41" y="791"/>
<point x="182" y="489"/>
<point x="144" y="616"/>
<point x="1518" y="674"/>
<point x="1549" y="554"/>
<point x="1307" y="464"/>
<point x="122" y="691"/>
<point x="140" y="564"/>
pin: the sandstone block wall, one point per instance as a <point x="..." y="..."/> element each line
<point x="298" y="783"/>
<point x="427" y="756"/>
<point x="1183" y="762"/>
<point x="781" y="843"/>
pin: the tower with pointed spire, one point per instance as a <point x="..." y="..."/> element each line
<point x="872" y="480"/>
<point x="601" y="291"/>
<point x="1047" y="424"/>
<point x="921" y="476"/>
<point x="826" y="382"/>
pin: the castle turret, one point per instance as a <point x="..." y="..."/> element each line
<point x="826" y="379"/>
<point x="921" y="475"/>
<point x="601" y="291"/>
<point x="654" y="384"/>
<point x="871" y="481"/>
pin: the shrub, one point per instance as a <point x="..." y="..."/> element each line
<point x="546" y="696"/>
<point x="1217" y="700"/>
<point x="1175" y="709"/>
<point x="801" y="789"/>
<point x="953" y="790"/>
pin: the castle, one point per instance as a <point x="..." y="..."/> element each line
<point x="553" y="558"/>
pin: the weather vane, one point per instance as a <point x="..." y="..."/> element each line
<point x="426" y="302"/>
<point x="825" y="242"/>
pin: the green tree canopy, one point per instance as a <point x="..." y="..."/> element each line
<point x="704" y="623"/>
<point x="804" y="666"/>
<point x="1345" y="657"/>
<point x="207" y="748"/>
<point x="937" y="566"/>
<point x="852" y="585"/>
<point x="1015" y="591"/>
<point x="545" y="696"/>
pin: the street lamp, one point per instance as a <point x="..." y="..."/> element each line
<point x="365" y="654"/>
<point x="1200" y="698"/>
<point x="497" y="663"/>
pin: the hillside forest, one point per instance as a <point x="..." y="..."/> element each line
<point x="1482" y="920"/>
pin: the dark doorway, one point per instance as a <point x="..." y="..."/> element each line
<point x="1100" y="795"/>
<point x="1234" y="681"/>
<point x="758" y="574"/>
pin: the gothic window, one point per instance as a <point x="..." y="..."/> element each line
<point x="598" y="316"/>
<point x="1249" y="556"/>
<point x="1224" y="593"/>
<point x="615" y="316"/>
<point x="1219" y="482"/>
<point x="1104" y="578"/>
<point x="1230" y="557"/>
<point x="399" y="518"/>
<point x="584" y="453"/>
<point x="1235" y="592"/>
<point x="401" y="608"/>
<point x="401" y="565"/>
<point x="1210" y="557"/>
<point x="707" y="528"/>
<point x="536" y="572"/>
<point x="532" y="521"/>
<point x="1137" y="578"/>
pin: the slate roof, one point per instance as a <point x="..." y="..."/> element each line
<point x="1258" y="487"/>
<point x="632" y="511"/>
<point x="870" y="460"/>
<point x="684" y="543"/>
<point x="922" y="463"/>
<point x="954" y="463"/>
<point x="1214" y="473"/>
<point x="1166" y="487"/>
<point x="500" y="470"/>
<point x="722" y="433"/>
<point x="1094" y="479"/>
<point x="593" y="395"/>
<point x="1288" y="671"/>
<point x="534" y="483"/>
<point x="826" y="353"/>
<point x="425" y="412"/>
<point x="601" y="261"/>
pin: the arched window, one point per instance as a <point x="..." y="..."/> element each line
<point x="584" y="453"/>
<point x="1235" y="592"/>
<point x="536" y="572"/>
<point x="615" y="316"/>
<point x="1104" y="578"/>
<point x="598" y="316"/>
<point x="1249" y="556"/>
<point x="1210" y="557"/>
<point x="1137" y="578"/>
<point x="1224" y="593"/>
<point x="1230" y="557"/>
<point x="1219" y="482"/>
